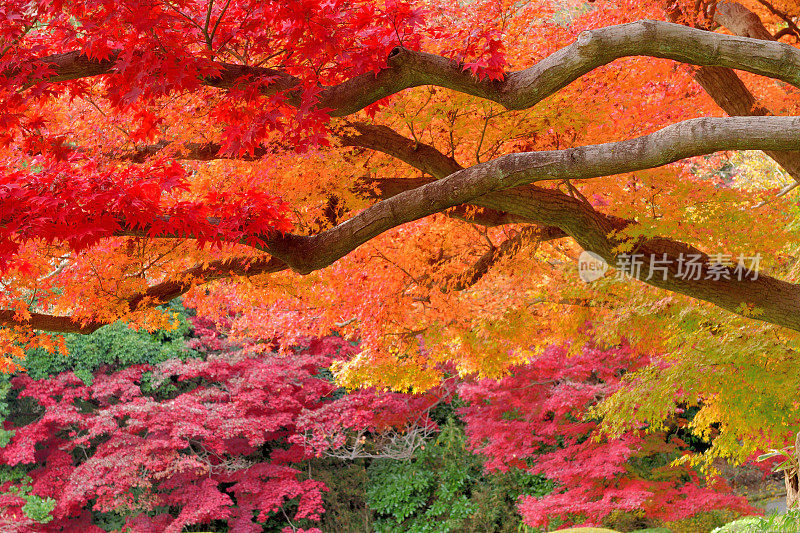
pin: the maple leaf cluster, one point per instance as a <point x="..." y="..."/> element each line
<point x="218" y="438"/>
<point x="156" y="49"/>
<point x="84" y="203"/>
<point x="539" y="419"/>
<point x="110" y="447"/>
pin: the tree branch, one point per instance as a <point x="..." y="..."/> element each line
<point x="481" y="267"/>
<point x="685" y="139"/>
<point x="422" y="157"/>
<point x="517" y="90"/>
<point x="791" y="26"/>
<point x="487" y="185"/>
<point x="729" y="92"/>
<point x="154" y="295"/>
<point x="192" y="151"/>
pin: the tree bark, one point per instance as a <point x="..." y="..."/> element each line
<point x="516" y="90"/>
<point x="792" y="479"/>
<point x="729" y="92"/>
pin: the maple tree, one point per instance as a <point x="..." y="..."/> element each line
<point x="420" y="175"/>
<point x="217" y="438"/>
<point x="535" y="419"/>
<point x="202" y="447"/>
<point x="224" y="438"/>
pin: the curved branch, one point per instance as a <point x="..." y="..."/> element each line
<point x="487" y="185"/>
<point x="422" y="157"/>
<point x="728" y="91"/>
<point x="517" y="90"/>
<point x="154" y="295"/>
<point x="776" y="301"/>
<point x="416" y="154"/>
<point x="678" y="141"/>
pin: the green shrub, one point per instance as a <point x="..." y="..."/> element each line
<point x="115" y="344"/>
<point x="785" y="523"/>
<point x="443" y="489"/>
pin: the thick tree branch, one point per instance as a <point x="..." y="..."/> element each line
<point x="774" y="299"/>
<point x="741" y="21"/>
<point x="306" y="253"/>
<point x="792" y="27"/>
<point x="154" y="295"/>
<point x="487" y="185"/>
<point x="678" y="141"/>
<point x="52" y="323"/>
<point x="416" y="154"/>
<point x="518" y="90"/>
<point x="206" y="273"/>
<point x="422" y="157"/>
<point x="729" y="92"/>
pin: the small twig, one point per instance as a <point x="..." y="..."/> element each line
<point x="783" y="192"/>
<point x="786" y="18"/>
<point x="345" y="323"/>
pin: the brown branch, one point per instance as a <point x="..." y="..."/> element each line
<point x="154" y="295"/>
<point x="724" y="85"/>
<point x="783" y="32"/>
<point x="206" y="273"/>
<point x="416" y="154"/>
<point x="487" y="185"/>
<point x="209" y="151"/>
<point x="481" y="267"/>
<point x="517" y="90"/>
<point x="741" y="21"/>
<point x="685" y="139"/>
<point x="792" y="27"/>
<point x="422" y="157"/>
<point x="52" y="323"/>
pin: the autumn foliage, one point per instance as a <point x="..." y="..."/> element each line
<point x="539" y="419"/>
<point x="221" y="437"/>
<point x="110" y="447"/>
<point x="410" y="183"/>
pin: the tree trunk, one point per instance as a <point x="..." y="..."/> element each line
<point x="791" y="478"/>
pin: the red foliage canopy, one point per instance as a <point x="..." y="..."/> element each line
<point x="536" y="419"/>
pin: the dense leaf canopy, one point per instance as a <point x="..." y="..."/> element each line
<point x="422" y="176"/>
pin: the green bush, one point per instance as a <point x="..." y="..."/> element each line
<point x="346" y="509"/>
<point x="115" y="344"/>
<point x="36" y="508"/>
<point x="443" y="489"/>
<point x="786" y="523"/>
